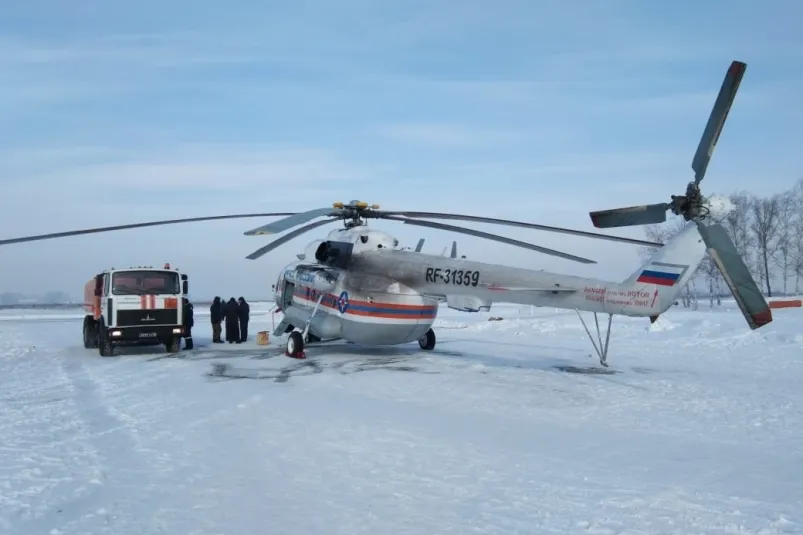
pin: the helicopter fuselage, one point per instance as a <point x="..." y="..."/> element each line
<point x="338" y="303"/>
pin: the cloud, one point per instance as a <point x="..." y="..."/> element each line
<point x="215" y="168"/>
<point x="120" y="113"/>
<point x="120" y="177"/>
<point x="159" y="50"/>
<point x="449" y="135"/>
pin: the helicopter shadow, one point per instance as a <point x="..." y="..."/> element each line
<point x="378" y="352"/>
<point x="338" y="356"/>
<point x="539" y="361"/>
<point x="400" y="362"/>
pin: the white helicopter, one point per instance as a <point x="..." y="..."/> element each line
<point x="360" y="286"/>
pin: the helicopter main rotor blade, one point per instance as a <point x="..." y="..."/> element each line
<point x="287" y="223"/>
<point x="722" y="106"/>
<point x="477" y="219"/>
<point x="287" y="237"/>
<point x="94" y="230"/>
<point x="493" y="237"/>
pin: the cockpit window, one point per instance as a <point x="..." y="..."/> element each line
<point x="364" y="238"/>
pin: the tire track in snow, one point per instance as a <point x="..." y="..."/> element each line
<point x="42" y="445"/>
<point x="119" y="461"/>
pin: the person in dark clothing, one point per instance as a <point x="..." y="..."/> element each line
<point x="189" y="321"/>
<point x="245" y="315"/>
<point x="232" y="321"/>
<point x="216" y="317"/>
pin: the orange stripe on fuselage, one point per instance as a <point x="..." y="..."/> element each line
<point x="371" y="309"/>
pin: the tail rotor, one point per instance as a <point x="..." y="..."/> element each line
<point x="692" y="206"/>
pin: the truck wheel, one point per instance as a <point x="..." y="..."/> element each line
<point x="105" y="347"/>
<point x="174" y="345"/>
<point x="90" y="335"/>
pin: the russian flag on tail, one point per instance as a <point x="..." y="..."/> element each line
<point x="662" y="274"/>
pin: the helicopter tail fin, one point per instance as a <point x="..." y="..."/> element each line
<point x="669" y="269"/>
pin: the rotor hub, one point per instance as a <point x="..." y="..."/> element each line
<point x="690" y="206"/>
<point x="354" y="213"/>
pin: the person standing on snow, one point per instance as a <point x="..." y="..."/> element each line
<point x="216" y="317"/>
<point x="232" y="321"/>
<point x="244" y="316"/>
<point x="189" y="321"/>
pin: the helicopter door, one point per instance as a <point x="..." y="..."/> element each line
<point x="287" y="294"/>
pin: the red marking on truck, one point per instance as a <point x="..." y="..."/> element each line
<point x="171" y="303"/>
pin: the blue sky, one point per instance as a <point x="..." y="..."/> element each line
<point x="118" y="112"/>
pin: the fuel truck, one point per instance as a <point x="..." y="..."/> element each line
<point x="135" y="306"/>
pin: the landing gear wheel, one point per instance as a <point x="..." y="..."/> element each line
<point x="295" y="346"/>
<point x="427" y="341"/>
<point x="174" y="345"/>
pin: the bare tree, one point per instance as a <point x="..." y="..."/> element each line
<point x="737" y="224"/>
<point x="764" y="228"/>
<point x="784" y="244"/>
<point x="796" y="232"/>
<point x="797" y="250"/>
<point x="712" y="274"/>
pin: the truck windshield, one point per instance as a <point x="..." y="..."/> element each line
<point x="145" y="282"/>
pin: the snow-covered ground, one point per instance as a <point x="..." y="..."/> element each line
<point x="698" y="428"/>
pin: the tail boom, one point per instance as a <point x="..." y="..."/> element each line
<point x="656" y="285"/>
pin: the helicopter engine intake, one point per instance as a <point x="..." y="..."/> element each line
<point x="334" y="253"/>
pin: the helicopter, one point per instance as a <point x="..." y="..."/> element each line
<point x="359" y="285"/>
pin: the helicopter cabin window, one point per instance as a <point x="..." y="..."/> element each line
<point x="364" y="238"/>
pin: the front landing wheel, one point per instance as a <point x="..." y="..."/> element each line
<point x="427" y="341"/>
<point x="295" y="345"/>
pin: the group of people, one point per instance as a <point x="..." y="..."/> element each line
<point x="235" y="314"/>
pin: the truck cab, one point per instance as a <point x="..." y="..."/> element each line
<point x="135" y="306"/>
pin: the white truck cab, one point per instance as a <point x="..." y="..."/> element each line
<point x="139" y="305"/>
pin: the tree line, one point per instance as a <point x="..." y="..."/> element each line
<point x="767" y="231"/>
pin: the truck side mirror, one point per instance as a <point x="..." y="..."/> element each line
<point x="183" y="276"/>
<point x="185" y="287"/>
